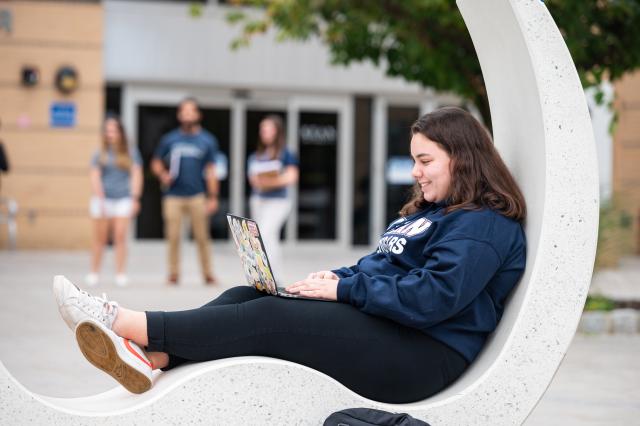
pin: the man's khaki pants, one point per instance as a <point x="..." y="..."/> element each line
<point x="173" y="210"/>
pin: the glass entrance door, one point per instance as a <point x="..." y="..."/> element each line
<point x="317" y="189"/>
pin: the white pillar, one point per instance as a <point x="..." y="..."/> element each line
<point x="378" y="158"/>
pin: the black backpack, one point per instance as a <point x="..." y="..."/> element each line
<point x="370" y="417"/>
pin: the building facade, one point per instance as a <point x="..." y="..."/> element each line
<point x="344" y="123"/>
<point x="626" y="152"/>
<point x="348" y="125"/>
<point x="49" y="129"/>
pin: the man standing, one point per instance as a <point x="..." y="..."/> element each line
<point x="184" y="162"/>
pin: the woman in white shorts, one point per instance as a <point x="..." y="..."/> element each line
<point x="116" y="185"/>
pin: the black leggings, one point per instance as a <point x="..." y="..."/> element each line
<point x="375" y="357"/>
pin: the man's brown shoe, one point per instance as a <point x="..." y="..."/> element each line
<point x="173" y="279"/>
<point x="210" y="280"/>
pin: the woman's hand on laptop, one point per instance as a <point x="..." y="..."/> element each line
<point x="319" y="288"/>
<point x="328" y="275"/>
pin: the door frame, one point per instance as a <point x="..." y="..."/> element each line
<point x="344" y="107"/>
<point x="136" y="94"/>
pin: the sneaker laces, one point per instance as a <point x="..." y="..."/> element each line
<point x="100" y="307"/>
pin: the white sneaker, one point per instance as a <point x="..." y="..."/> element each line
<point x="76" y="305"/>
<point x="91" y="279"/>
<point x="120" y="358"/>
<point x="122" y="280"/>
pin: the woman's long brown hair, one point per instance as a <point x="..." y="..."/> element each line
<point x="123" y="158"/>
<point x="280" y="136"/>
<point x="479" y="177"/>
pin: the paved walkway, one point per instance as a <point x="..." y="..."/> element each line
<point x="597" y="384"/>
<point x="622" y="283"/>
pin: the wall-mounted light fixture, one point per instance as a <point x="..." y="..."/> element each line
<point x="67" y="79"/>
<point x="29" y="76"/>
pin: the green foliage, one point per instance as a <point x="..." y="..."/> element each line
<point x="426" y="41"/>
<point x="614" y="235"/>
<point x="195" y="10"/>
<point x="599" y="303"/>
<point x="613" y="217"/>
<point x="602" y="35"/>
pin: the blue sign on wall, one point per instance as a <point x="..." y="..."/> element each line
<point x="62" y="114"/>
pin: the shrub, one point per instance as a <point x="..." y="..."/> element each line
<point x="598" y="303"/>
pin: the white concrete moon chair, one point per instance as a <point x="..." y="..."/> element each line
<point x="543" y="131"/>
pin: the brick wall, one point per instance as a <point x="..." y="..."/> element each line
<point x="50" y="166"/>
<point x="626" y="151"/>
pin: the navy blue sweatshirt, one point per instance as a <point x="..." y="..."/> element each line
<point x="446" y="275"/>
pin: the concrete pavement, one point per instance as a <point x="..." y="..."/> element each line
<point x="597" y="384"/>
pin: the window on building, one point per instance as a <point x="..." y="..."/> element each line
<point x="113" y="99"/>
<point x="317" y="199"/>
<point x="362" y="169"/>
<point x="399" y="181"/>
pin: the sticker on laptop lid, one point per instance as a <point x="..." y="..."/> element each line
<point x="253" y="229"/>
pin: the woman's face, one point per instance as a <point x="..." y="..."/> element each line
<point x="431" y="168"/>
<point x="268" y="132"/>
<point x="111" y="132"/>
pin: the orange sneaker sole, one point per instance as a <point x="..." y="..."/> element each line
<point x="100" y="351"/>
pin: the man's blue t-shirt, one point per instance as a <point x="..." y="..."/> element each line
<point x="186" y="157"/>
<point x="115" y="181"/>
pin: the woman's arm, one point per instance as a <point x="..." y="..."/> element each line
<point x="346" y="271"/>
<point x="455" y="272"/>
<point x="315" y="286"/>
<point x="267" y="183"/>
<point x="321" y="284"/>
<point x="95" y="177"/>
<point x="136" y="187"/>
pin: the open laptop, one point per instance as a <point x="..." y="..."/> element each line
<point x="253" y="255"/>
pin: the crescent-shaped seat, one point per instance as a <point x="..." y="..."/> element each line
<point x="542" y="129"/>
